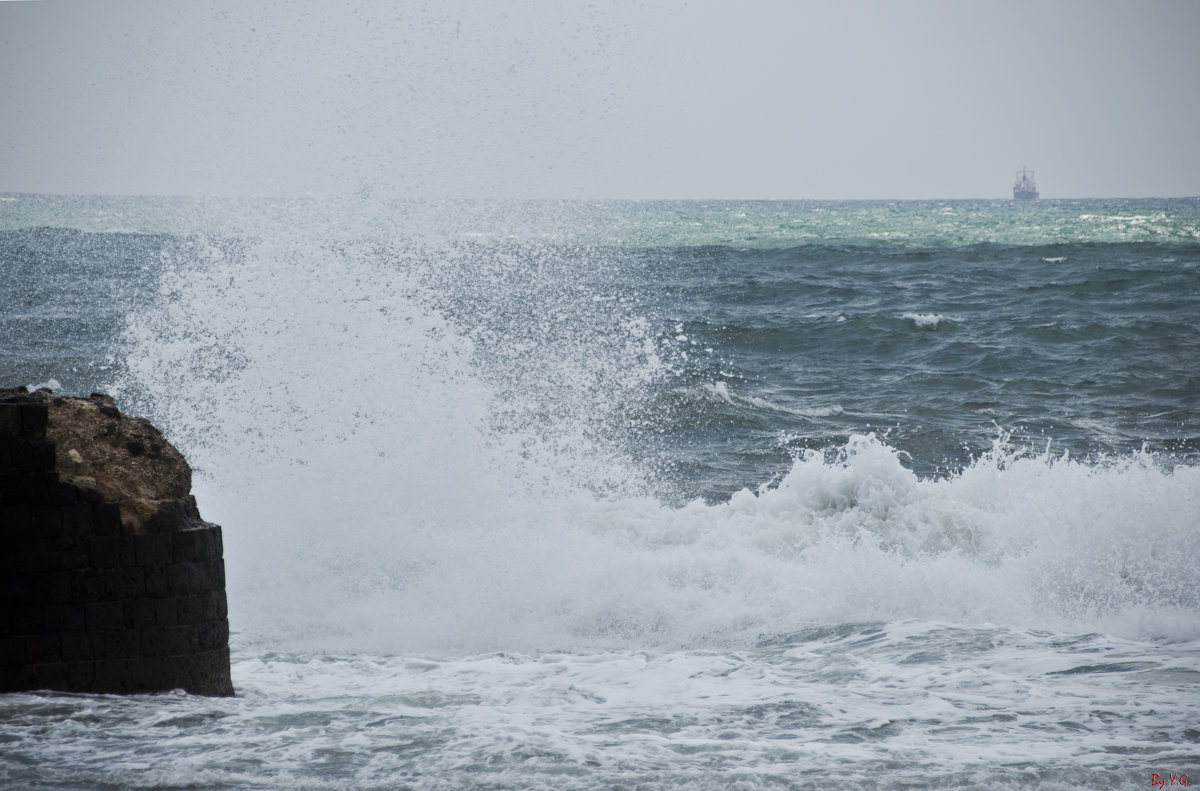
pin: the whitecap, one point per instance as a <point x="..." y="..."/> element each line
<point x="50" y="384"/>
<point x="823" y="411"/>
<point x="926" y="320"/>
<point x="720" y="390"/>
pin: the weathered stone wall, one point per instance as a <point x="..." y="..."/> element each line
<point x="109" y="579"/>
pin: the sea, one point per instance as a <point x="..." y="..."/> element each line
<point x="646" y="495"/>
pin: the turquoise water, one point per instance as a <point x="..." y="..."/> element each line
<point x="763" y="224"/>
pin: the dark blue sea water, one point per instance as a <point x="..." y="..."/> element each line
<point x="647" y="495"/>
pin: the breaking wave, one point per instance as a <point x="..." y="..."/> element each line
<point x="434" y="448"/>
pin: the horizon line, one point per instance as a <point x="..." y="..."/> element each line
<point x="462" y="198"/>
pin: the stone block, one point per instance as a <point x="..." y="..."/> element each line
<point x="210" y="673"/>
<point x="46" y="520"/>
<point x="13" y="489"/>
<point x="158" y="642"/>
<point x="187" y="578"/>
<point x="18" y="677"/>
<point x="31" y="455"/>
<point x="113" y="552"/>
<point x="21" y="589"/>
<point x="127" y="643"/>
<point x="15" y="520"/>
<point x="104" y="615"/>
<point x="11" y="424"/>
<point x="198" y="576"/>
<point x="190" y="609"/>
<point x="27" y="619"/>
<point x="106" y="518"/>
<point x="30" y="488"/>
<point x="176" y="641"/>
<point x="43" y="648"/>
<point x="192" y="545"/>
<point x="62" y="618"/>
<point x="52" y="675"/>
<point x="169" y="515"/>
<point x="214" y="635"/>
<point x="9" y="560"/>
<point x="12" y="650"/>
<point x="110" y="675"/>
<point x="83" y="646"/>
<point x="214" y="575"/>
<point x="85" y="490"/>
<point x="34" y="419"/>
<point x="141" y="612"/>
<point x="155" y="642"/>
<point x="58" y="587"/>
<point x="81" y="674"/>
<point x="67" y="552"/>
<point x="36" y="556"/>
<point x="211" y="575"/>
<point x="215" y="605"/>
<point x="87" y="585"/>
<point x="148" y="674"/>
<point x="74" y="519"/>
<point x="157" y="582"/>
<point x="125" y="582"/>
<point x="153" y="549"/>
<point x="66" y="493"/>
<point x="166" y="611"/>
<point x="22" y="416"/>
<point x="178" y="579"/>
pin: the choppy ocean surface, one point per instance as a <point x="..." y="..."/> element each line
<point x="728" y="495"/>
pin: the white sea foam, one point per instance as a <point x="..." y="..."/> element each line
<point x="49" y="384"/>
<point x="722" y="392"/>
<point x="927" y="320"/>
<point x="951" y="702"/>
<point x="820" y="411"/>
<point x="382" y="488"/>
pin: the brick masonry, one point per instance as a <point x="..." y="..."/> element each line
<point x="92" y="600"/>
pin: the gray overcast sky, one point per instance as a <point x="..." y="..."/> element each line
<point x="607" y="99"/>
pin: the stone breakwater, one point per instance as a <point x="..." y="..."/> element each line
<point x="109" y="579"/>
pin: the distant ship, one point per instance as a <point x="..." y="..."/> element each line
<point x="1024" y="187"/>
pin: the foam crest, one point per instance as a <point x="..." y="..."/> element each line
<point x="721" y="391"/>
<point x="929" y="321"/>
<point x="1014" y="539"/>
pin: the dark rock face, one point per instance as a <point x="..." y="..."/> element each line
<point x="109" y="579"/>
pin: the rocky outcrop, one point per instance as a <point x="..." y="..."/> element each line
<point x="109" y="579"/>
